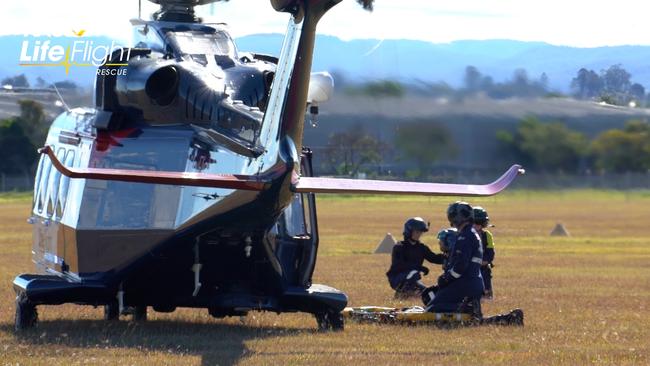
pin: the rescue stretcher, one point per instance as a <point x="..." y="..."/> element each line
<point x="417" y="315"/>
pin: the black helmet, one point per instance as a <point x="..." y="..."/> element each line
<point x="447" y="237"/>
<point x="414" y="223"/>
<point x="460" y="212"/>
<point x="481" y="216"/>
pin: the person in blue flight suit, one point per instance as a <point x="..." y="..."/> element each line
<point x="460" y="287"/>
<point x="481" y="222"/>
<point x="446" y="241"/>
<point x="407" y="258"/>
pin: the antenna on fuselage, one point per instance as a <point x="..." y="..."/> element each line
<point x="60" y="97"/>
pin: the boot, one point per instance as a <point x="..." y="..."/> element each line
<point x="407" y="290"/>
<point x="472" y="307"/>
<point x="514" y="317"/>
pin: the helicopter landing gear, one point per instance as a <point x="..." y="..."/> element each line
<point x="139" y="313"/>
<point x="26" y="314"/>
<point x="330" y="320"/>
<point x="112" y="311"/>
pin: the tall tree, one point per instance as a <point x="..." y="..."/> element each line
<point x="637" y="92"/>
<point x="587" y="84"/>
<point x="18" y="153"/>
<point x="548" y="146"/>
<point x="350" y="152"/>
<point x="17" y="81"/>
<point x="616" y="79"/>
<point x="472" y="78"/>
<point x="32" y="121"/>
<point x="424" y="143"/>
<point x="626" y="150"/>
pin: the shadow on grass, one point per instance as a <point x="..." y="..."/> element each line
<point x="217" y="344"/>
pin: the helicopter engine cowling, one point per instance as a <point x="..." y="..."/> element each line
<point x="164" y="92"/>
<point x="169" y="92"/>
<point x="146" y="82"/>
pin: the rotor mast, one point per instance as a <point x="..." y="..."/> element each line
<point x="178" y="10"/>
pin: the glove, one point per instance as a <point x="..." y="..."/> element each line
<point x="424" y="270"/>
<point x="444" y="280"/>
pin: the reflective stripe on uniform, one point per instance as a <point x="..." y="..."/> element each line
<point x="411" y="274"/>
<point x="454" y="274"/>
<point x="477" y="260"/>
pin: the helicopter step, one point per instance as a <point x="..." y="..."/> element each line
<point x="55" y="290"/>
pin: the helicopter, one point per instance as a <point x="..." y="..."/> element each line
<point x="187" y="183"/>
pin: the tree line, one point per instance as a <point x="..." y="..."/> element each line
<point x="553" y="147"/>
<point x="613" y="85"/>
<point x="541" y="146"/>
<point x="21" y="81"/>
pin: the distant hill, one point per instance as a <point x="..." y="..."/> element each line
<point x="406" y="60"/>
<point x="410" y="60"/>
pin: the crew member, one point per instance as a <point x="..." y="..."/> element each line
<point x="446" y="241"/>
<point x="481" y="222"/>
<point x="407" y="258"/>
<point x="461" y="285"/>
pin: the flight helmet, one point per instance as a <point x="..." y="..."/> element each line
<point x="414" y="223"/>
<point x="460" y="212"/>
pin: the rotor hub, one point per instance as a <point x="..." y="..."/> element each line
<point x="179" y="10"/>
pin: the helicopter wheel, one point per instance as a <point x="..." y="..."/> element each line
<point x="140" y="313"/>
<point x="329" y="321"/>
<point x="26" y="314"/>
<point x="112" y="311"/>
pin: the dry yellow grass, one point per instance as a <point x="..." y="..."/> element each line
<point x="586" y="297"/>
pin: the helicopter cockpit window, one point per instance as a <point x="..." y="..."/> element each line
<point x="147" y="37"/>
<point x="200" y="45"/>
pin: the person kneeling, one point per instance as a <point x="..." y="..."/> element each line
<point x="460" y="287"/>
<point x="408" y="255"/>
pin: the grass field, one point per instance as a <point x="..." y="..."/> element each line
<point x="586" y="297"/>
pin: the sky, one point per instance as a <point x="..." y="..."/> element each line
<point x="577" y="23"/>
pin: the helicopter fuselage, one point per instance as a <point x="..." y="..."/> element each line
<point x="184" y="100"/>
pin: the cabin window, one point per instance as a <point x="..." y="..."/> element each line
<point x="53" y="185"/>
<point x="37" y="182"/>
<point x="42" y="190"/>
<point x="64" y="184"/>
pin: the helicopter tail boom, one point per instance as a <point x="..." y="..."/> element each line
<point x="339" y="185"/>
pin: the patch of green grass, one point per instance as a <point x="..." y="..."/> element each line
<point x="7" y="197"/>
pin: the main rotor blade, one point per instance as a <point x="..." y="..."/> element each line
<point x="227" y="181"/>
<point x="341" y="185"/>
